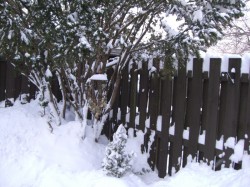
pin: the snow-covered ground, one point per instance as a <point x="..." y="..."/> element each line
<point x="32" y="156"/>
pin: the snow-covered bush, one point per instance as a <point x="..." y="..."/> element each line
<point x="73" y="40"/>
<point x="117" y="162"/>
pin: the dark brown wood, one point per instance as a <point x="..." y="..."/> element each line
<point x="114" y="120"/>
<point x="2" y="80"/>
<point x="110" y="72"/>
<point x="211" y="122"/>
<point x="205" y="75"/>
<point x="166" y="99"/>
<point x="153" y="140"/>
<point x="172" y="122"/>
<point x="242" y="120"/>
<point x="124" y="94"/>
<point x="190" y="74"/>
<point x="242" y="123"/>
<point x="115" y="115"/>
<point x="204" y="103"/>
<point x="154" y="99"/>
<point x="132" y="97"/>
<point x="170" y="157"/>
<point x="144" y="147"/>
<point x="222" y="108"/>
<point x="189" y="88"/>
<point x="201" y="147"/>
<point x="225" y="102"/>
<point x="188" y="111"/>
<point x="143" y="96"/>
<point x="106" y="129"/>
<point x="229" y="125"/>
<point x="55" y="87"/>
<point x="153" y="113"/>
<point x="247" y="137"/>
<point x="204" y="109"/>
<point x="18" y="85"/>
<point x="33" y="90"/>
<point x="244" y="78"/>
<point x="179" y="109"/>
<point x="222" y="114"/>
<point x="24" y="89"/>
<point x="10" y="84"/>
<point x="194" y="107"/>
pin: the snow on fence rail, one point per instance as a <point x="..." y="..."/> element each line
<point x="195" y="112"/>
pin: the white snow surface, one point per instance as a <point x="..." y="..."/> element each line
<point x="48" y="73"/>
<point x="100" y="77"/>
<point x="245" y="64"/>
<point x="245" y="67"/>
<point x="198" y="15"/>
<point x="32" y="156"/>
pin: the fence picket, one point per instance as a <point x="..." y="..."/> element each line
<point x="154" y="100"/>
<point x="232" y="105"/>
<point x="179" y="109"/>
<point x="153" y="114"/>
<point x="242" y="127"/>
<point x="124" y="94"/>
<point x="132" y="97"/>
<point x="193" y="108"/>
<point x="166" y="115"/>
<point x="204" y="109"/>
<point x="247" y="133"/>
<point x="143" y="96"/>
<point x="211" y="123"/>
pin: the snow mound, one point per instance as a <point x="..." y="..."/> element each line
<point x="32" y="156"/>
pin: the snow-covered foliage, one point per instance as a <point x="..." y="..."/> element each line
<point x="73" y="30"/>
<point x="236" y="39"/>
<point x="75" y="39"/>
<point x="117" y="162"/>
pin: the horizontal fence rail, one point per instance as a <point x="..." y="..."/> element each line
<point x="194" y="114"/>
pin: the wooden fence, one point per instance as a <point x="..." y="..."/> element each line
<point x="13" y="85"/>
<point x="191" y="113"/>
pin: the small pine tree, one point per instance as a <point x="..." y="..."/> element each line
<point x="117" y="162"/>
